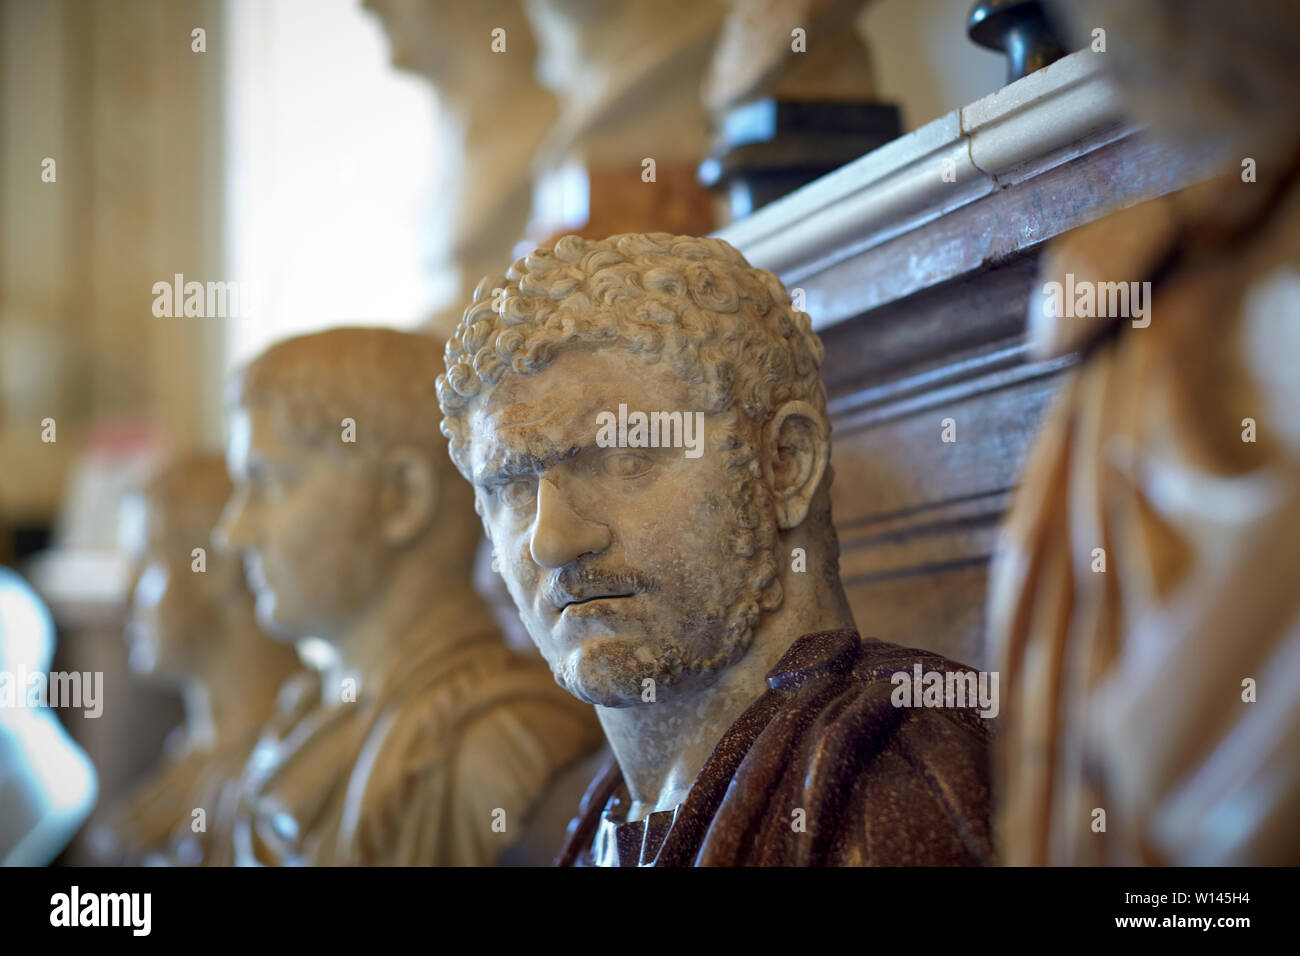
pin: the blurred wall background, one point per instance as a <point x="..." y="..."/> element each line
<point x="113" y="94"/>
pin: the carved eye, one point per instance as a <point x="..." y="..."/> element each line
<point x="626" y="464"/>
<point x="264" y="486"/>
<point x="519" y="492"/>
<point x="272" y="483"/>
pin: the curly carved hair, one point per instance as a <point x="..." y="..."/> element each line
<point x="695" y="302"/>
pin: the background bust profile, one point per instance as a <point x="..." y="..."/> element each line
<point x="191" y="627"/>
<point x="427" y="732"/>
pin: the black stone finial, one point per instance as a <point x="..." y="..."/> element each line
<point x="1018" y="28"/>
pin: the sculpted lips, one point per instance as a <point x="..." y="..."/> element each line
<point x="136" y="632"/>
<point x="575" y="587"/>
<point x="253" y="573"/>
<point x="597" y="597"/>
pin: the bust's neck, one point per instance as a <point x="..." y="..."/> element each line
<point x="629" y="36"/>
<point x="421" y="611"/>
<point x="237" y="693"/>
<point x="662" y="747"/>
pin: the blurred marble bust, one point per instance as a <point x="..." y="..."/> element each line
<point x="191" y="628"/>
<point x="427" y="740"/>
<point x="759" y="53"/>
<point x="627" y="75"/>
<point x="1143" y="606"/>
<point x="481" y="58"/>
<point x="644" y="424"/>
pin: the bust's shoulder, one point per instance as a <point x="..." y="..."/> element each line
<point x="495" y="704"/>
<point x="489" y="732"/>
<point x="901" y="691"/>
<point x="880" y="660"/>
<point x="142" y="821"/>
<point x="882" y="778"/>
<point x="846" y="655"/>
<point x="297" y="696"/>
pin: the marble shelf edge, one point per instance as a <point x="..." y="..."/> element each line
<point x="1014" y="136"/>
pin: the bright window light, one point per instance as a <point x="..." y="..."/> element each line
<point x="331" y="171"/>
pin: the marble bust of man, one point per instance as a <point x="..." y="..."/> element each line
<point x="644" y="424"/>
<point x="191" y="627"/>
<point x="427" y="741"/>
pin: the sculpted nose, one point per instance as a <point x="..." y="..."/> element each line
<point x="561" y="535"/>
<point x="133" y="580"/>
<point x="150" y="588"/>
<point x="233" y="529"/>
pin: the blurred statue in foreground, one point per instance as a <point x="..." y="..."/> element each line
<point x="644" y="424"/>
<point x="47" y="783"/>
<point x="1144" y="602"/>
<point x="192" y="627"/>
<point x="427" y="740"/>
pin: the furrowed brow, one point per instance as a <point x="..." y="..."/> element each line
<point x="512" y="464"/>
<point x="508" y="465"/>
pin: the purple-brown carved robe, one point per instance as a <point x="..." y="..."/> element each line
<point x="878" y="784"/>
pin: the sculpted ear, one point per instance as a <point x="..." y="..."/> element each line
<point x="409" y="495"/>
<point x="796" y="448"/>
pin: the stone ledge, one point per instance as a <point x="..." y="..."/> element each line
<point x="1022" y="130"/>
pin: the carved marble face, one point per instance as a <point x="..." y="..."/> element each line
<point x="169" y="624"/>
<point x="307" y="521"/>
<point x="623" y="561"/>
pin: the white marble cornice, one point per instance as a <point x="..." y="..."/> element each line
<point x="1021" y="131"/>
